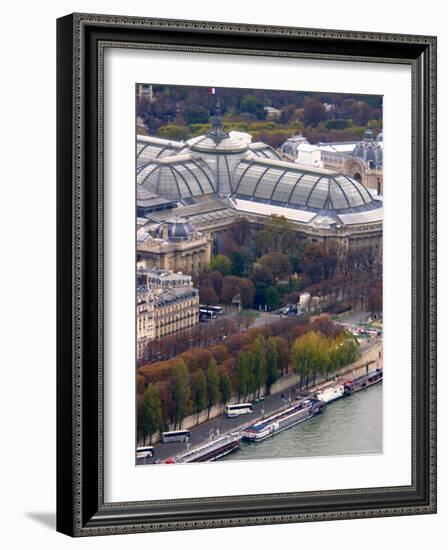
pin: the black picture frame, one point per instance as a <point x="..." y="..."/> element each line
<point x="81" y="510"/>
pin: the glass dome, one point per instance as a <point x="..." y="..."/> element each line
<point x="177" y="177"/>
<point x="283" y="183"/>
<point x="227" y="145"/>
<point x="370" y="150"/>
<point x="178" y="229"/>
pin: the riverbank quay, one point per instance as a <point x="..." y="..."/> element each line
<point x="283" y="392"/>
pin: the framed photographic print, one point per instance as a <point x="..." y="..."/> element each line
<point x="246" y="275"/>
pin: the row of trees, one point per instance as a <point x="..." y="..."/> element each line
<point x="180" y="112"/>
<point x="257" y="368"/>
<point x="193" y="391"/>
<point x="315" y="353"/>
<point x="244" y="365"/>
<point x="189" y="393"/>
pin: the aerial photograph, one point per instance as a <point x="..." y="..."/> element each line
<point x="259" y="220"/>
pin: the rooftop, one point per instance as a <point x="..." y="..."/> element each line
<point x="202" y="175"/>
<point x="293" y="186"/>
<point x="174" y="295"/>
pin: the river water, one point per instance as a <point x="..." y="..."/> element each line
<point x="349" y="426"/>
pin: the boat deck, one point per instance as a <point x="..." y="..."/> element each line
<point x="262" y="424"/>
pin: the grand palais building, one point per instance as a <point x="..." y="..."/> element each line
<point x="188" y="193"/>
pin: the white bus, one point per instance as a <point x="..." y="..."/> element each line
<point x="215" y="309"/>
<point x="238" y="408"/>
<point x="206" y="315"/>
<point x="178" y="435"/>
<point x="144" y="452"/>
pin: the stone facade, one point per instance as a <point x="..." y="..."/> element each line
<point x="190" y="256"/>
<point x="175" y="310"/>
<point x="145" y="319"/>
<point x="216" y="178"/>
<point x="167" y="303"/>
<point x="173" y="245"/>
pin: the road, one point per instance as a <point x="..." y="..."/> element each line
<point x="355" y="318"/>
<point x="221" y="424"/>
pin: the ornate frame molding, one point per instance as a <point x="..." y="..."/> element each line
<point x="81" y="42"/>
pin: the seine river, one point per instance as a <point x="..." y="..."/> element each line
<point x="352" y="425"/>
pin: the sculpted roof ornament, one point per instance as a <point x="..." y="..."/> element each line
<point x="217" y="140"/>
<point x="217" y="132"/>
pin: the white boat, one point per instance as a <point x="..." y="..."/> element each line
<point x="330" y="394"/>
<point x="283" y="420"/>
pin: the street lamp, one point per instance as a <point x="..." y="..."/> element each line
<point x="285" y="400"/>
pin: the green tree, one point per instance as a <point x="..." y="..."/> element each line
<point x="198" y="129"/>
<point x="260" y="295"/>
<point x="212" y="385"/>
<point x="310" y="354"/>
<point x="200" y="392"/>
<point x="262" y="275"/>
<point x="242" y="261"/>
<point x="221" y="263"/>
<point x="272" y="357"/>
<point x="259" y="364"/>
<point x="181" y="393"/>
<point x="196" y="114"/>
<point x="246" y="380"/>
<point x="173" y="131"/>
<point x="253" y="105"/>
<point x="273" y="298"/>
<point x="343" y="351"/>
<point x="336" y="124"/>
<point x="252" y="382"/>
<point x="242" y="375"/>
<point x="152" y="412"/>
<point x="225" y="387"/>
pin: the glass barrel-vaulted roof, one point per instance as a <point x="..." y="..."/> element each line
<point x="260" y="149"/>
<point x="178" y="177"/>
<point x="149" y="148"/>
<point x="222" y="167"/>
<point x="284" y="183"/>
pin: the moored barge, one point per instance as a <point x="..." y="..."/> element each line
<point x="303" y="410"/>
<point x="212" y="450"/>
<point x="331" y="393"/>
<point x="364" y="381"/>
